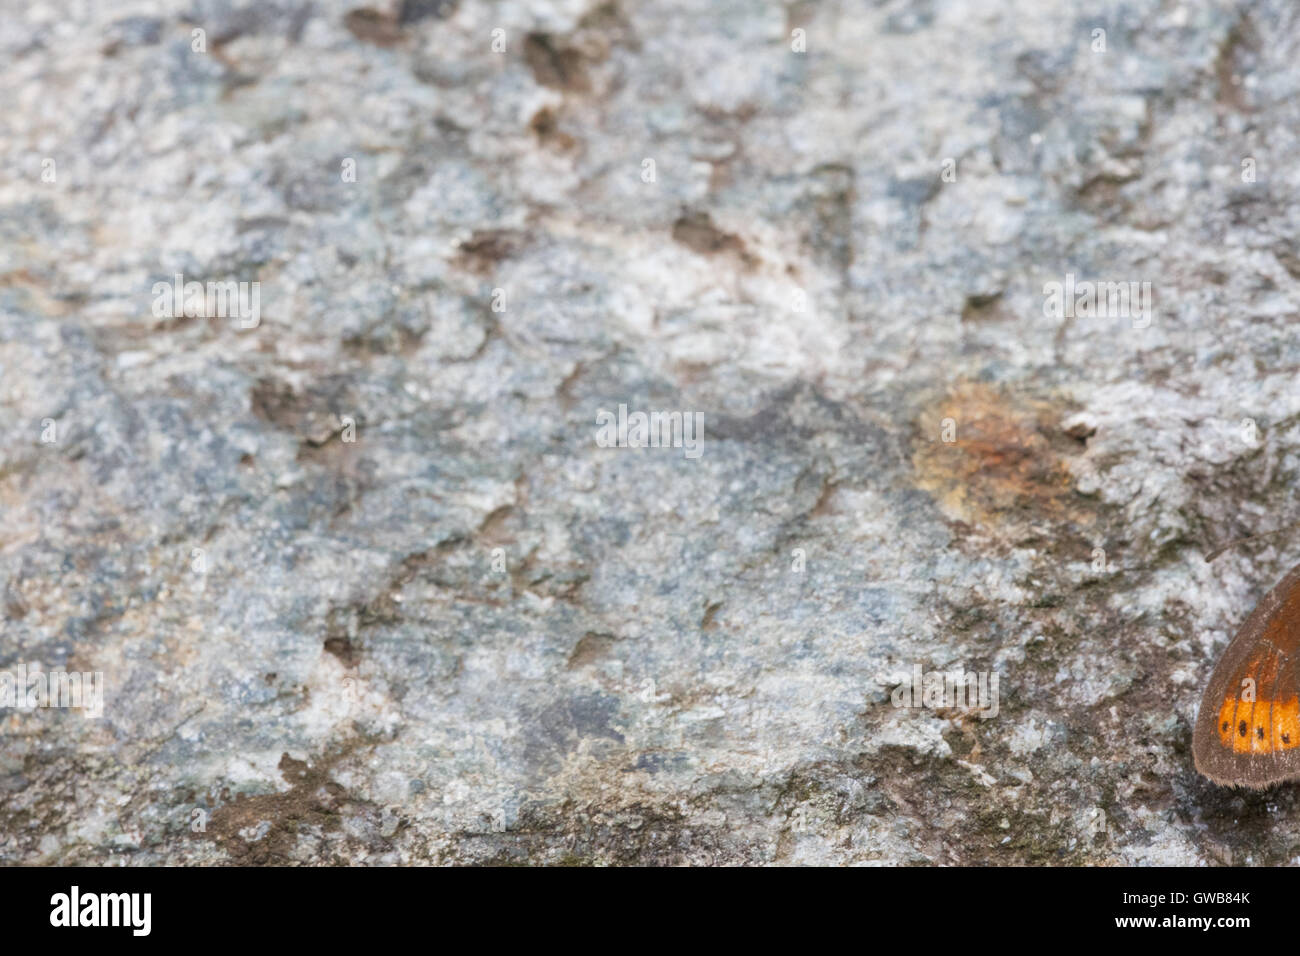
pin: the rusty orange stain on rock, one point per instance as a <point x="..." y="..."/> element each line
<point x="1001" y="465"/>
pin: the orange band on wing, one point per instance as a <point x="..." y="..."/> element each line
<point x="1259" y="727"/>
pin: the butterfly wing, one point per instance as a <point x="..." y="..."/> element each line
<point x="1248" y="728"/>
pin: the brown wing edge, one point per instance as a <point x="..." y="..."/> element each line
<point x="1225" y="767"/>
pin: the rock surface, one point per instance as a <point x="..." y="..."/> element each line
<point x="363" y="585"/>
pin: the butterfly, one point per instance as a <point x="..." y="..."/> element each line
<point x="1247" y="731"/>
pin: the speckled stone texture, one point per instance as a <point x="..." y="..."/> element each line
<point x="364" y="586"/>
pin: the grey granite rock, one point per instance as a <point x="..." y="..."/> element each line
<point x="365" y="585"/>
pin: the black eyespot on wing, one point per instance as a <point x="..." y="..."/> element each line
<point x="1242" y="728"/>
